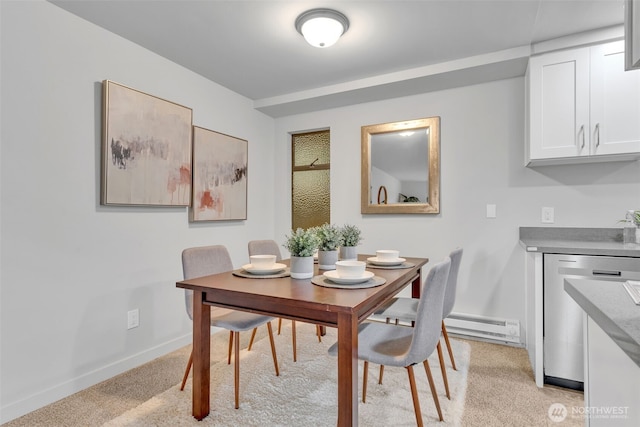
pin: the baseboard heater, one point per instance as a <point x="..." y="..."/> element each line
<point x="483" y="327"/>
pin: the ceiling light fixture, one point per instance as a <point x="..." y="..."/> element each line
<point x="322" y="27"/>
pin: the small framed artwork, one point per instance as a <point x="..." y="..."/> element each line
<point x="219" y="177"/>
<point x="146" y="149"/>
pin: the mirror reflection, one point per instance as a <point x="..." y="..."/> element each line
<point x="400" y="167"/>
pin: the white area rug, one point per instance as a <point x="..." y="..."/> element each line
<point x="305" y="393"/>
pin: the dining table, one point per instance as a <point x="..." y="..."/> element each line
<point x="343" y="307"/>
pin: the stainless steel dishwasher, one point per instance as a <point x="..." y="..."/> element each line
<point x="563" y="350"/>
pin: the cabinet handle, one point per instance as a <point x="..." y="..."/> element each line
<point x="606" y="273"/>
<point x="597" y="134"/>
<point x="581" y="131"/>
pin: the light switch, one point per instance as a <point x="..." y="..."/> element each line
<point x="491" y="211"/>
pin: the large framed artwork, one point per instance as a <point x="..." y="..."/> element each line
<point x="146" y="149"/>
<point x="219" y="176"/>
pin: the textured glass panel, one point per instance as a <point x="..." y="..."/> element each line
<point x="310" y="199"/>
<point x="307" y="147"/>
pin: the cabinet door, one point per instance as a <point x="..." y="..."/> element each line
<point x="559" y="90"/>
<point x="615" y="102"/>
<point x="612" y="381"/>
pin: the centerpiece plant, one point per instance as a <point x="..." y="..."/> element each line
<point x="330" y="240"/>
<point x="351" y="238"/>
<point x="302" y="244"/>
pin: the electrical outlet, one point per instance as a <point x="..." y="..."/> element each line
<point x="491" y="211"/>
<point x="133" y="319"/>
<point x="547" y="215"/>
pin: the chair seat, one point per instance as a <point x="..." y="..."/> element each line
<point x="238" y="321"/>
<point x="382" y="343"/>
<point x="400" y="308"/>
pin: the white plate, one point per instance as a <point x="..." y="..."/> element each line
<point x="275" y="269"/>
<point x="376" y="261"/>
<point x="333" y="276"/>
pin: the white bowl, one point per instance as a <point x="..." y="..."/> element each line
<point x="262" y="261"/>
<point x="387" y="255"/>
<point x="350" y="268"/>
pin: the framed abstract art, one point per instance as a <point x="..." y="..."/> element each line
<point x="219" y="176"/>
<point x="146" y="149"/>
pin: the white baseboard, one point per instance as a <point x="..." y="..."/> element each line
<point x="12" y="410"/>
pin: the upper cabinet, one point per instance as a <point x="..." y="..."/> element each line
<point x="583" y="106"/>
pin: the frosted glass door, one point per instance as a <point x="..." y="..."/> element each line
<point x="310" y="183"/>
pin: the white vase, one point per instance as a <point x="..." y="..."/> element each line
<point x="348" y="252"/>
<point x="327" y="259"/>
<point x="301" y="267"/>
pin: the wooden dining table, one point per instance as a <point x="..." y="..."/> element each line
<point x="296" y="299"/>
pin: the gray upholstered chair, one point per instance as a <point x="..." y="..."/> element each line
<point x="270" y="247"/>
<point x="207" y="260"/>
<point x="403" y="346"/>
<point x="402" y="308"/>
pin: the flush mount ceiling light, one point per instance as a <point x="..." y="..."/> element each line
<point x="322" y="27"/>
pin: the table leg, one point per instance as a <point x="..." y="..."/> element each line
<point x="201" y="356"/>
<point x="347" y="370"/>
<point x="416" y="285"/>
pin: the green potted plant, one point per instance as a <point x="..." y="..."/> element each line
<point x="330" y="239"/>
<point x="302" y="244"/>
<point x="631" y="227"/>
<point x="351" y="238"/>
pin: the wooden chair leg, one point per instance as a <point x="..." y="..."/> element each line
<point x="364" y="381"/>
<point x="273" y="349"/>
<point x="253" y="335"/>
<point x="230" y="347"/>
<point x="414" y="396"/>
<point x="381" y="373"/>
<point x="279" y="325"/>
<point x="432" y="386"/>
<point x="446" y="340"/>
<point x="186" y="372"/>
<point x="319" y="333"/>
<point x="443" y="370"/>
<point x="293" y="340"/>
<point x="236" y="367"/>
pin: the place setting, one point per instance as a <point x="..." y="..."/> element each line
<point x="262" y="267"/>
<point x="349" y="274"/>
<point x="388" y="259"/>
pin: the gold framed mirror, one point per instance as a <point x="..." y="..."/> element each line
<point x="402" y="160"/>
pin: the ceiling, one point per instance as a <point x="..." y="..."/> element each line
<point x="392" y="48"/>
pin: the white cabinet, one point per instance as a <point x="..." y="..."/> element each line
<point x="583" y="106"/>
<point x="612" y="381"/>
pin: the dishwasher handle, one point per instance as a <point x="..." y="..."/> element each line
<point x="607" y="273"/>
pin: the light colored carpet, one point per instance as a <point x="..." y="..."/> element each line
<point x="305" y="394"/>
<point x="502" y="391"/>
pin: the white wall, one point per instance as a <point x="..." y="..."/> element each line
<point x="70" y="268"/>
<point x="482" y="157"/>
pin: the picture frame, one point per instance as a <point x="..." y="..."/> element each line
<point x="219" y="177"/>
<point x="146" y="149"/>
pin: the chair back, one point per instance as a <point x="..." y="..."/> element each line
<point x="203" y="261"/>
<point x="428" y="322"/>
<point x="452" y="282"/>
<point x="265" y="247"/>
